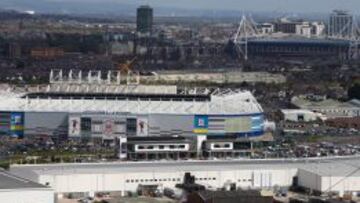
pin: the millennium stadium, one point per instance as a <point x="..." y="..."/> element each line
<point x="140" y="120"/>
<point x="299" y="47"/>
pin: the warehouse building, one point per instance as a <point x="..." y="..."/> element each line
<point x="17" y="189"/>
<point x="298" y="115"/>
<point x="126" y="177"/>
<point x="321" y="174"/>
<point x="334" y="177"/>
<point x="328" y="107"/>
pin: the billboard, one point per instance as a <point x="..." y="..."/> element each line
<point x="238" y="124"/>
<point x="108" y="127"/>
<point x="142" y="126"/>
<point x="17" y="124"/>
<point x="201" y="124"/>
<point x="74" y="126"/>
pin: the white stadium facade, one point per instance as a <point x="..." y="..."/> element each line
<point x="140" y="119"/>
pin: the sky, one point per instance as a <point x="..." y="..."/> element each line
<point x="250" y="5"/>
<point x="276" y="6"/>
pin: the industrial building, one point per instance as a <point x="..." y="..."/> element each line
<point x="17" y="189"/>
<point x="338" y="175"/>
<point x="328" y="107"/>
<point x="331" y="177"/>
<point x="298" y="115"/>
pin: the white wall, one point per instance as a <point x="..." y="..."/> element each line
<point x="317" y="182"/>
<point x="309" y="180"/>
<point x="293" y="116"/>
<point x="27" y="196"/>
<point x="340" y="184"/>
<point x="129" y="181"/>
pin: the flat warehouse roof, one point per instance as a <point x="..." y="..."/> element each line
<point x="180" y="166"/>
<point x="335" y="169"/>
<point x="10" y="181"/>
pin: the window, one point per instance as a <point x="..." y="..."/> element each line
<point x="127" y="181"/>
<point x="131" y="126"/>
<point x="140" y="147"/>
<point x="227" y="145"/>
<point x="161" y="147"/>
<point x="172" y="147"/>
<point x="150" y="147"/>
<point x="85" y="124"/>
<point x="182" y="146"/>
<point x="300" y="117"/>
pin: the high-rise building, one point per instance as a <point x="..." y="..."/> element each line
<point x="144" y="20"/>
<point x="340" y="24"/>
<point x="14" y="50"/>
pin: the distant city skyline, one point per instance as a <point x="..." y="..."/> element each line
<point x="103" y="6"/>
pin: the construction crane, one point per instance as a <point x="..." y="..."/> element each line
<point x="126" y="67"/>
<point x="132" y="78"/>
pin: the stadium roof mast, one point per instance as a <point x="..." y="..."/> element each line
<point x="353" y="37"/>
<point x="247" y="29"/>
<point x="354" y="41"/>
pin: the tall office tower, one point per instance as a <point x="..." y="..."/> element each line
<point x="340" y="24"/>
<point x="144" y="20"/>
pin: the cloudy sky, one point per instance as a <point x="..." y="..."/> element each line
<point x="255" y="5"/>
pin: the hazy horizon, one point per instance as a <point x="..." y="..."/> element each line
<point x="127" y="6"/>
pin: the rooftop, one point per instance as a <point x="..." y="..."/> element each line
<point x="10" y="181"/>
<point x="228" y="102"/>
<point x="297" y="111"/>
<point x="181" y="166"/>
<point x="335" y="169"/>
<point x="302" y="40"/>
<point x="305" y="103"/>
